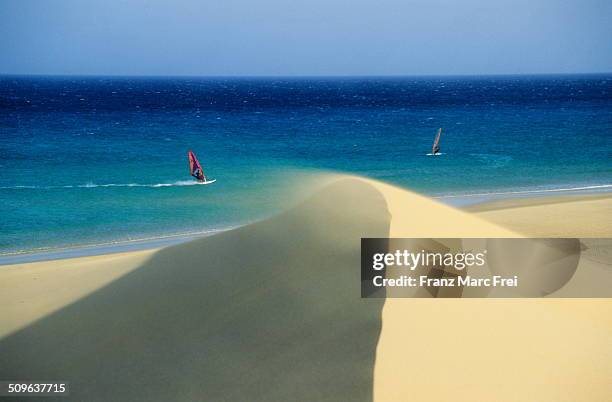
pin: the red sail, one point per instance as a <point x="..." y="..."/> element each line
<point x="195" y="169"/>
<point x="436" y="146"/>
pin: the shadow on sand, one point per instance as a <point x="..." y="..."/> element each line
<point x="269" y="311"/>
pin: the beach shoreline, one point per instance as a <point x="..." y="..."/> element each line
<point x="477" y="202"/>
<point x="90" y="250"/>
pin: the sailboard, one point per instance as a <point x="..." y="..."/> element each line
<point x="435" y="149"/>
<point x="195" y="169"/>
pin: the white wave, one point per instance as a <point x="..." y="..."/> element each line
<point x="550" y="190"/>
<point x="94" y="185"/>
<point x="154" y="185"/>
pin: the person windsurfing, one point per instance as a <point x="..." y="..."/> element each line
<point x="197" y="173"/>
<point x="195" y="169"/>
<point x="435" y="149"/>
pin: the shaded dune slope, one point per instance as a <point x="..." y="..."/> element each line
<point x="269" y="311"/>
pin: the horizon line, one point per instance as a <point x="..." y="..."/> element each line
<point x="263" y="76"/>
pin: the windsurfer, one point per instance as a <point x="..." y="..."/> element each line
<point x="195" y="169"/>
<point x="435" y="149"/>
<point x="197" y="173"/>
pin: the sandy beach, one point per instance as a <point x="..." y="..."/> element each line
<point x="272" y="311"/>
<point x="554" y="216"/>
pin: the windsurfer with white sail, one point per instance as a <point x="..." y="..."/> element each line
<point x="435" y="149"/>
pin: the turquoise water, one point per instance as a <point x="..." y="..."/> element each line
<point x="89" y="160"/>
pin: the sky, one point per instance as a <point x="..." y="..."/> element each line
<point x="305" y="38"/>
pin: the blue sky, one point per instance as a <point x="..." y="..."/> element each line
<point x="308" y="37"/>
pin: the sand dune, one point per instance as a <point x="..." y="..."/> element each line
<point x="35" y="290"/>
<point x="495" y="350"/>
<point x="558" y="216"/>
<point x="272" y="311"/>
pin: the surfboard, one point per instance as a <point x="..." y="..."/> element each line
<point x="207" y="181"/>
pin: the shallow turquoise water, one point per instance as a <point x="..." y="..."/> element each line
<point x="99" y="159"/>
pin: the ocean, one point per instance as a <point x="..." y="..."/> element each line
<point x="101" y="160"/>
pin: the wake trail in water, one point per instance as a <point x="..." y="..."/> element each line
<point x="181" y="183"/>
<point x="94" y="185"/>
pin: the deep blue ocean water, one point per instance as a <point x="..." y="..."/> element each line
<point x="88" y="160"/>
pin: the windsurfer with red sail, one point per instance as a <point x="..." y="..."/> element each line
<point x="195" y="168"/>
